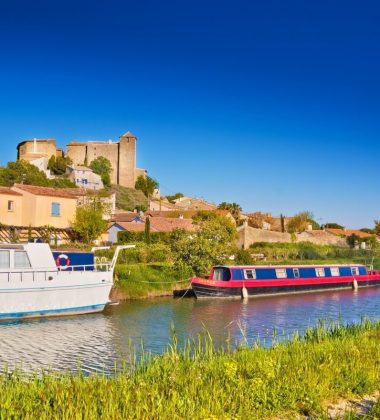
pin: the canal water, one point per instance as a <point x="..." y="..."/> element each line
<point x="105" y="342"/>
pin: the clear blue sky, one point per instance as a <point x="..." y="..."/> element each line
<point x="274" y="105"/>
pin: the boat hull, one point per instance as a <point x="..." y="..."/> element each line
<point x="209" y="289"/>
<point x="66" y="294"/>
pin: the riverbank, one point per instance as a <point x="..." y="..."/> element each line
<point x="147" y="280"/>
<point x="301" y="377"/>
<point x="139" y="281"/>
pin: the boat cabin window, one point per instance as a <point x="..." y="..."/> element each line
<point x="320" y="272"/>
<point x="21" y="259"/>
<point x="4" y="259"/>
<point x="281" y="273"/>
<point x="335" y="271"/>
<point x="250" y="274"/>
<point x="355" y="271"/>
<point x="296" y="273"/>
<point x="221" y="273"/>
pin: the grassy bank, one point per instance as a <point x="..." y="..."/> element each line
<point x="298" y="377"/>
<point x="134" y="281"/>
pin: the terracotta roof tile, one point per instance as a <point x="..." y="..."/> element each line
<point x="49" y="191"/>
<point x="349" y="232"/>
<point x="7" y="190"/>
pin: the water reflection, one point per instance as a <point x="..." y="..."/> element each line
<point x="99" y="342"/>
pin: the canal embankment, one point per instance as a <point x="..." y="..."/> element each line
<point x="301" y="377"/>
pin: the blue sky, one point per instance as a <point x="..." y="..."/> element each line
<point x="273" y="105"/>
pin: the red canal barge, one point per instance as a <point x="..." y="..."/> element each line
<point x="247" y="281"/>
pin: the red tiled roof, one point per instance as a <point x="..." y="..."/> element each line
<point x="158" y="224"/>
<point x="166" y="224"/>
<point x="349" y="232"/>
<point x="131" y="226"/>
<point x="49" y="191"/>
<point x="126" y="216"/>
<point x="7" y="190"/>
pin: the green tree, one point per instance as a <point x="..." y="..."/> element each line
<point x="300" y="222"/>
<point x="211" y="243"/>
<point x="146" y="184"/>
<point x="171" y="198"/>
<point x="22" y="172"/>
<point x="147" y="230"/>
<point x="89" y="223"/>
<point x="333" y="226"/>
<point x="102" y="166"/>
<point x="234" y="208"/>
<point x="57" y="165"/>
<point x="376" y="230"/>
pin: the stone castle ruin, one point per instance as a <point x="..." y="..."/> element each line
<point x="121" y="154"/>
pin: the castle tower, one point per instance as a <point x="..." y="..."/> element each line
<point x="127" y="160"/>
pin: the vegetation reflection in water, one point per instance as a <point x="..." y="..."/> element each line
<point x="201" y="381"/>
<point x="98" y="342"/>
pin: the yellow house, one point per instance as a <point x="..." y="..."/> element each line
<point x="46" y="206"/>
<point x="10" y="207"/>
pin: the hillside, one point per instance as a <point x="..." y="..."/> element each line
<point x="129" y="199"/>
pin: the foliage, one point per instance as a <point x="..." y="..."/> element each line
<point x="147" y="230"/>
<point x="308" y="251"/>
<point x="333" y="226"/>
<point x="146" y="184"/>
<point x="243" y="257"/>
<point x="61" y="182"/>
<point x="376" y="229"/>
<point x="353" y="240"/>
<point x="89" y="223"/>
<point x="129" y="199"/>
<point x="234" y="208"/>
<point x="142" y="253"/>
<point x="22" y="172"/>
<point x="102" y="166"/>
<point x="257" y="219"/>
<point x="57" y="165"/>
<point x="212" y="243"/>
<point x="171" y="198"/>
<point x="300" y="222"/>
<point x="367" y="230"/>
<point x="289" y="380"/>
<point x="125" y="236"/>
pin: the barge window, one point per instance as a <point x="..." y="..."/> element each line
<point x="355" y="271"/>
<point x="250" y="274"/>
<point x="320" y="272"/>
<point x="4" y="259"/>
<point x="281" y="273"/>
<point x="21" y="259"/>
<point x="335" y="271"/>
<point x="221" y="273"/>
<point x="296" y="273"/>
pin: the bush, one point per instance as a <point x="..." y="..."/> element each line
<point x="155" y="237"/>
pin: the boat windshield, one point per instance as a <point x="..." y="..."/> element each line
<point x="221" y="273"/>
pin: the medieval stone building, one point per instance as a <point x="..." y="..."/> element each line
<point x="121" y="154"/>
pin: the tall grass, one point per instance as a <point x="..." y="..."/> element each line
<point x="144" y="280"/>
<point x="201" y="381"/>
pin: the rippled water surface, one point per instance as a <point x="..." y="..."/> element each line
<point x="98" y="343"/>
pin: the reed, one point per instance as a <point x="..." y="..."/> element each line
<point x="201" y="381"/>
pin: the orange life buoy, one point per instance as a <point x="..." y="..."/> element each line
<point x="62" y="257"/>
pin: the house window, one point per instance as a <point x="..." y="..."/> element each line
<point x="250" y="274"/>
<point x="84" y="181"/>
<point x="281" y="273"/>
<point x="55" y="209"/>
<point x="320" y="272"/>
<point x="21" y="259"/>
<point x="4" y="259"/>
<point x="335" y="271"/>
<point x="355" y="271"/>
<point x="296" y="273"/>
<point x="11" y="205"/>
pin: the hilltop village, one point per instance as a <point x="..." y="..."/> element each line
<point x="44" y="205"/>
